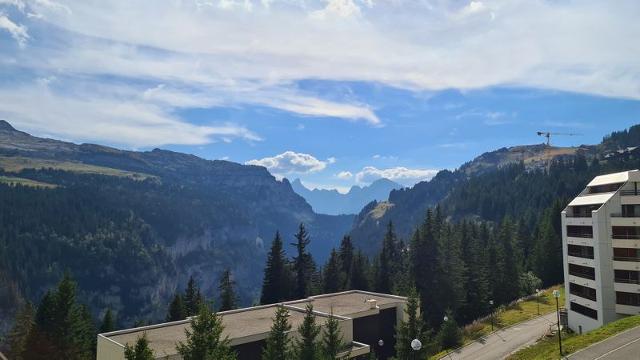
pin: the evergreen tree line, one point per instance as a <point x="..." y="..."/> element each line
<point x="60" y="327"/>
<point x="462" y="270"/>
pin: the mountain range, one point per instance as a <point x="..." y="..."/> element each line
<point x="332" y="202"/>
<point x="519" y="182"/>
<point x="133" y="226"/>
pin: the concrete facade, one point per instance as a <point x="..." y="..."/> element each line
<point x="364" y="319"/>
<point x="600" y="238"/>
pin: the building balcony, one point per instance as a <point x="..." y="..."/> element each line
<point x="580" y="235"/>
<point x="627" y="264"/>
<point x="580" y="261"/>
<point x="583" y="301"/>
<point x="629" y="197"/>
<point x="620" y="220"/>
<point x="580" y="241"/>
<point x="581" y="280"/>
<point x="628" y="287"/>
<point x="627" y="309"/>
<point x="578" y="220"/>
<point x="625" y="243"/>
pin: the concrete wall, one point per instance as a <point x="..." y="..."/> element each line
<point x="109" y="350"/>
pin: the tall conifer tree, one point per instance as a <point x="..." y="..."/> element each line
<point x="275" y="281"/>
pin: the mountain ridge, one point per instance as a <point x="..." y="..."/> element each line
<point x="332" y="202"/>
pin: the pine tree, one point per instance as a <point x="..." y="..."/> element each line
<point x="108" y="323"/>
<point x="452" y="267"/>
<point x="278" y="343"/>
<point x="332" y="340"/>
<point x="63" y="329"/>
<point x="388" y="260"/>
<point x="140" y="351"/>
<point x="204" y="338"/>
<point x="412" y="328"/>
<point x="276" y="278"/>
<point x="333" y="277"/>
<point x="17" y="337"/>
<point x="303" y="265"/>
<point x="176" y="309"/>
<point x="192" y="298"/>
<point x="450" y="335"/>
<point x="228" y="298"/>
<point x="477" y="276"/>
<point x="306" y="348"/>
<point x="346" y="254"/>
<point x="359" y="274"/>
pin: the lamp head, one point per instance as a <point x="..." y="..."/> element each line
<point x="416" y="344"/>
<point x="556" y="293"/>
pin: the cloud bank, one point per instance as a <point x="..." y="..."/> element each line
<point x="290" y="162"/>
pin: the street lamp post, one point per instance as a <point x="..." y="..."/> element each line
<point x="538" y="300"/>
<point x="446" y="318"/>
<point x="556" y="294"/>
<point x="491" y="314"/>
<point x="416" y="345"/>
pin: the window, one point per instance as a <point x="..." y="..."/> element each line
<point x="580" y="231"/>
<point x="625" y="298"/>
<point x="582" y="271"/>
<point x="582" y="291"/>
<point x="626" y="254"/>
<point x="604" y="188"/>
<point x="582" y="211"/>
<point x="631" y="210"/>
<point x="626" y="276"/>
<point x="584" y="310"/>
<point x="626" y="232"/>
<point x="581" y="251"/>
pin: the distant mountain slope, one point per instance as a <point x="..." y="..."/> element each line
<point x="519" y="182"/>
<point x="133" y="226"/>
<point x="334" y="203"/>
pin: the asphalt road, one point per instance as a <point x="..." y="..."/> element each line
<point x="624" y="346"/>
<point x="504" y="342"/>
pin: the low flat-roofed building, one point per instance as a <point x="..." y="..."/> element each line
<point x="367" y="320"/>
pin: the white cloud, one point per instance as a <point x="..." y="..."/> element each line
<point x="577" y="46"/>
<point x="291" y="162"/>
<point x="227" y="53"/>
<point x="18" y="32"/>
<point x="344" y="175"/>
<point x="114" y="116"/>
<point x="399" y="174"/>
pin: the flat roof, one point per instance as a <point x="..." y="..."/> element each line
<point x="238" y="324"/>
<point x="255" y="322"/>
<point x="591" y="199"/>
<point x="348" y="304"/>
<point x="614" y="178"/>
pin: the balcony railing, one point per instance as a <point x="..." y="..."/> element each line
<point x="624" y="236"/>
<point x="579" y="215"/>
<point x="627" y="281"/>
<point x="580" y="255"/>
<point x="580" y="235"/>
<point x="619" y="215"/>
<point x="584" y="276"/>
<point x="626" y="258"/>
<point x="584" y="295"/>
<point x="630" y="192"/>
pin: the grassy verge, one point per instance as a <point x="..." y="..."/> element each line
<point x="17" y="164"/>
<point x="547" y="347"/>
<point x="510" y="315"/>
<point x="25" y="182"/>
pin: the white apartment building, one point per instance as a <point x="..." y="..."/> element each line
<point x="601" y="251"/>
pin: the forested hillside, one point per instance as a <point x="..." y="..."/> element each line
<point x="132" y="227"/>
<point x="495" y="185"/>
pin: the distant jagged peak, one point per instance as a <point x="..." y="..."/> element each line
<point x="5" y="126"/>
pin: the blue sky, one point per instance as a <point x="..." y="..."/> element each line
<point x="336" y="92"/>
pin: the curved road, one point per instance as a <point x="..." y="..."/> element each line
<point x="502" y="343"/>
<point x="623" y="346"/>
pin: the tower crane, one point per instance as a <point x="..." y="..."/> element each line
<point x="548" y="134"/>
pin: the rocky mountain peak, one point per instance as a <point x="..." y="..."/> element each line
<point x="5" y="126"/>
